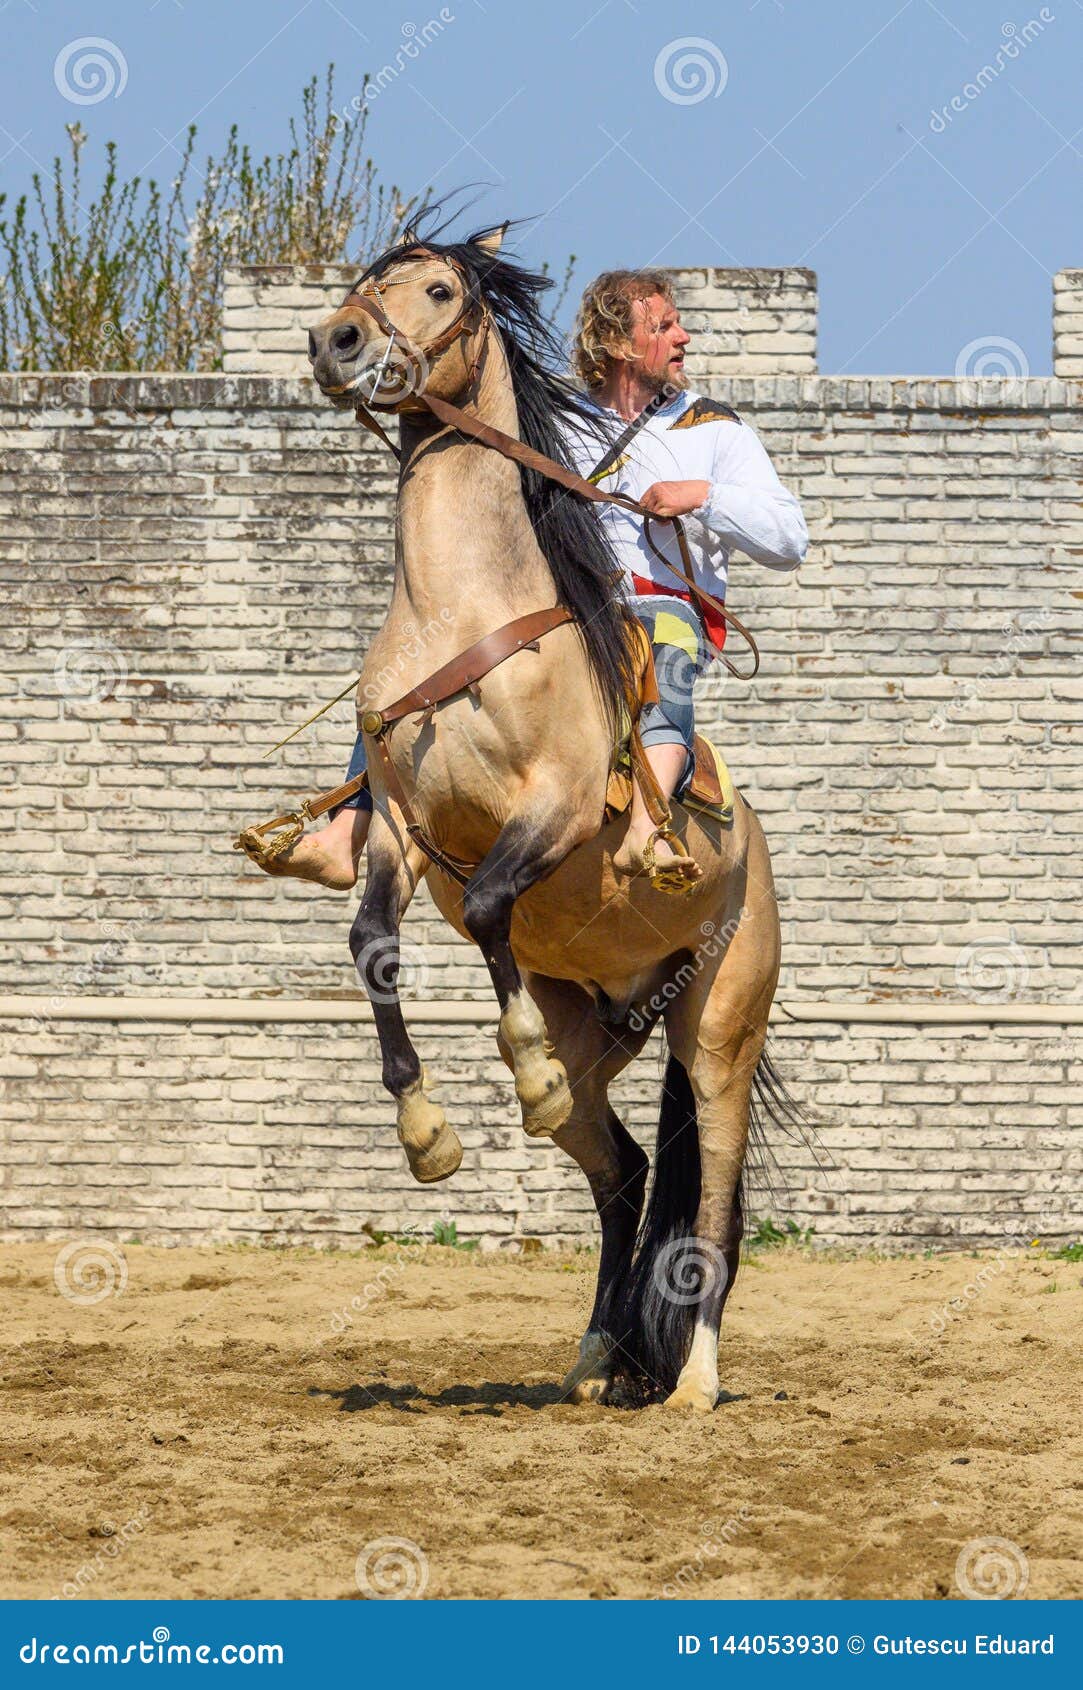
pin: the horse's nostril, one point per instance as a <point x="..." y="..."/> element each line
<point x="312" y="345"/>
<point x="345" y="339"/>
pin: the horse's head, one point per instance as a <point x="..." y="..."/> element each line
<point x="414" y="322"/>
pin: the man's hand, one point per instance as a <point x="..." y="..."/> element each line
<point x="675" y="498"/>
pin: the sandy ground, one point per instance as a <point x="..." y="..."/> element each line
<point x="245" y="1423"/>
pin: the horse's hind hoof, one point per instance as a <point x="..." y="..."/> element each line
<point x="692" y="1399"/>
<point x="432" y="1147"/>
<point x="591" y="1379"/>
<point x="546" y="1100"/>
<point x="596" y="1389"/>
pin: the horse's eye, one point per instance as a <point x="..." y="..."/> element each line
<point x="439" y="292"/>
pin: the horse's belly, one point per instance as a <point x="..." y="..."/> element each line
<point x="585" y="924"/>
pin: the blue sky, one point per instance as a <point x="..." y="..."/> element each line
<point x="803" y="133"/>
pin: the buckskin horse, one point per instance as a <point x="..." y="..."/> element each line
<point x="491" y="774"/>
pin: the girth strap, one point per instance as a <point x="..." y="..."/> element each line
<point x="453" y="866"/>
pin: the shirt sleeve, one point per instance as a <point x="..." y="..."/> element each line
<point x="748" y="508"/>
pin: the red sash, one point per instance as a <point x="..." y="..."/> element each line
<point x="713" y="623"/>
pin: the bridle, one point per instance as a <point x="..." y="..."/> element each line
<point x="369" y="298"/>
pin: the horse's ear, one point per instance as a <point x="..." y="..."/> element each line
<point x="493" y="239"/>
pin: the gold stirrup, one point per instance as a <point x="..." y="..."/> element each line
<point x="666" y="877"/>
<point x="268" y="841"/>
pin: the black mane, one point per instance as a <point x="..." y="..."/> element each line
<point x="572" y="539"/>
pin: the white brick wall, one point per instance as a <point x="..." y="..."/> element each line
<point x="282" y="1133"/>
<point x="748" y="322"/>
<point x="744" y="322"/>
<point x="1068" y="324"/>
<point x="216" y="551"/>
<point x="268" y="309"/>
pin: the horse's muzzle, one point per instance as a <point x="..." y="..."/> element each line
<point x="338" y="349"/>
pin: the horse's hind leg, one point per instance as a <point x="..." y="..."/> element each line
<point x="393" y="871"/>
<point x="615" y="1166"/>
<point x="713" y="1252"/>
<point x="717" y="1029"/>
<point x="528" y="847"/>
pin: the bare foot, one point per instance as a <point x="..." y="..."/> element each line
<point x="629" y="858"/>
<point x="329" y="858"/>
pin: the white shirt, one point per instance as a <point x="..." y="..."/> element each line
<point x="694" y="438"/>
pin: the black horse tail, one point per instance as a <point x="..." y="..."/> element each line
<point x="656" y="1311"/>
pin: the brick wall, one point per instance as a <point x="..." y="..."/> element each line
<point x="282" y="1133"/>
<point x="268" y="308"/>
<point x="193" y="562"/>
<point x="1068" y="324"/>
<point x="748" y="322"/>
<point x="745" y="322"/>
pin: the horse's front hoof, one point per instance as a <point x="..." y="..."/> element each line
<point x="432" y="1147"/>
<point x="443" y="1160"/>
<point x="545" y="1098"/>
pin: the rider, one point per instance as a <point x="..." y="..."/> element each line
<point x="690" y="457"/>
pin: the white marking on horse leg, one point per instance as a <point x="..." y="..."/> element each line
<point x="697" y="1387"/>
<point x="541" y="1083"/>
<point x="432" y="1147"/>
<point x="592" y="1376"/>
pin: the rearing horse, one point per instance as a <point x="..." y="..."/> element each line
<point x="509" y="775"/>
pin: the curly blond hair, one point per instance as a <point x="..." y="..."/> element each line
<point x="603" y="324"/>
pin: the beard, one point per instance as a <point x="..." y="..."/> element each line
<point x="665" y="381"/>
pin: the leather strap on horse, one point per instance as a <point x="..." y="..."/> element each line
<point x="462" y="672"/>
<point x="369" y="422"/>
<point x="654" y="799"/>
<point x="453" y="866"/>
<point x="270" y="840"/>
<point x="469" y="666"/>
<point x="368" y="299"/>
